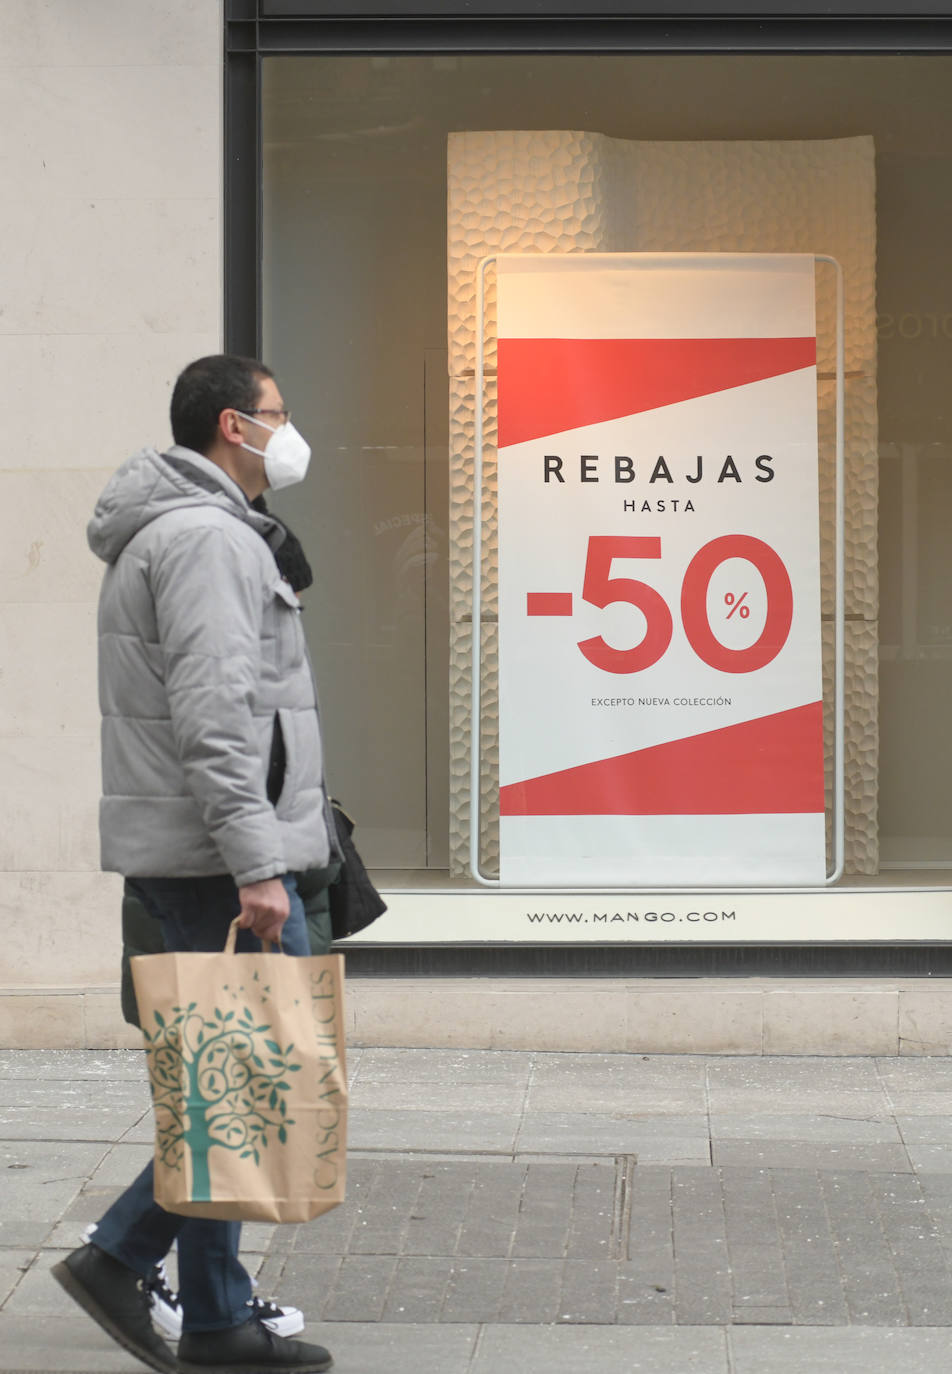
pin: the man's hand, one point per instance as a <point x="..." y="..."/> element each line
<point x="264" y="908"/>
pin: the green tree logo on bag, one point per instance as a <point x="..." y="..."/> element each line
<point x="215" y="1081"/>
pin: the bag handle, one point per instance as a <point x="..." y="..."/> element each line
<point x="232" y="936"/>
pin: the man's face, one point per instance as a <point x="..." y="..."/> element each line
<point x="269" y="413"/>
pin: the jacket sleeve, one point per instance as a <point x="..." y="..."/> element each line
<point x="208" y="595"/>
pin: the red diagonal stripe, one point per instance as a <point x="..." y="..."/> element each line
<point x="769" y="766"/>
<point x="550" y="385"/>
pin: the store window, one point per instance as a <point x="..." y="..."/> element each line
<point x="356" y="152"/>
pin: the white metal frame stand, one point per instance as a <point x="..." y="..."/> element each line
<point x="836" y="869"/>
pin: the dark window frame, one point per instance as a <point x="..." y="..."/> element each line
<point x="255" y="29"/>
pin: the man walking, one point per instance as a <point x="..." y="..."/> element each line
<point x="213" y="790"/>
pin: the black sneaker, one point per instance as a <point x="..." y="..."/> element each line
<point x="166" y="1304"/>
<point x="115" y="1296"/>
<point x="248" y="1347"/>
<point x="279" y="1317"/>
<point x="166" y="1308"/>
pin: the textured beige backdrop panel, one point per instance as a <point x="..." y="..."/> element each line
<point x="568" y="191"/>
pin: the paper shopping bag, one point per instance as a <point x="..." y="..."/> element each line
<point x="248" y="1079"/>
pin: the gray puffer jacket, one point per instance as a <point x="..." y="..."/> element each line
<point x="201" y="651"/>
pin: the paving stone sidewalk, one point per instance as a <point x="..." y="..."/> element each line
<point x="544" y="1212"/>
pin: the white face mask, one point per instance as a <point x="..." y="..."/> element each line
<point x="286" y="454"/>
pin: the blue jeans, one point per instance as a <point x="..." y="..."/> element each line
<point x="214" y="1285"/>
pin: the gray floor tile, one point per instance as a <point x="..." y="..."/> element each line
<point x="733" y="1101"/>
<point x="70" y="1065"/>
<point x="926" y="1159"/>
<point x="121" y="1163"/>
<point x="435" y="1207"/>
<point x="912" y="1073"/>
<point x="51" y="1109"/>
<point x="62" y="1342"/>
<point x="417" y="1289"/>
<point x="13" y="1265"/>
<point x="493" y="1209"/>
<point x="814" y="1129"/>
<point x="903" y="1103"/>
<point x="589" y="1292"/>
<point x="117" y="1097"/>
<point x="443" y="1066"/>
<point x="24" y="1123"/>
<point x="646" y="1292"/>
<point x="474" y="1290"/>
<point x="532" y="1291"/>
<point x="430" y="1130"/>
<point x="757" y="1274"/>
<point x="795" y="1072"/>
<point x="609" y="1350"/>
<point x="360" y="1288"/>
<point x="800" y="1154"/>
<point x="601" y="1096"/>
<point x="925" y="1130"/>
<point x="38" y="1294"/>
<point x="673" y="1150"/>
<point x="258" y="1236"/>
<point x="463" y="1208"/>
<point x="87" y="1207"/>
<point x="141" y="1132"/>
<point x="365" y="1348"/>
<point x="40" y="1181"/>
<point x="604" y="1133"/>
<point x="306" y="1281"/>
<point x="622" y="1072"/>
<point x="505" y="1098"/>
<point x="849" y="1350"/>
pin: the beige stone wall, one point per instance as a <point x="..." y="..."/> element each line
<point x="566" y="191"/>
<point x="110" y="280"/>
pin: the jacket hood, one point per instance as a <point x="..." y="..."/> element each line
<point x="150" y="484"/>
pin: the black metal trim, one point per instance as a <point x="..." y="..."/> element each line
<point x="583" y="34"/>
<point x="840" y="959"/>
<point x="242" y="217"/>
<point x="470" y="10"/>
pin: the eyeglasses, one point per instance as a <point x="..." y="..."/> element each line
<point x="285" y="415"/>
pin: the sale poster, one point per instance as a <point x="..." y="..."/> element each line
<point x="660" y="675"/>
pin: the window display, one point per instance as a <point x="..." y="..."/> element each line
<point x="375" y="166"/>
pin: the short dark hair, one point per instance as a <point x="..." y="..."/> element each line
<point x="207" y="387"/>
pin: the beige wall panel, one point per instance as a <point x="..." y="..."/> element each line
<point x="83" y="128"/>
<point x="836" y="1021"/>
<point x="565" y="191"/>
<point x="48" y="682"/>
<point x="42" y="1022"/>
<point x="111" y="282"/>
<point x="103" y="1024"/>
<point x="67" y="927"/>
<point x="122" y="33"/>
<point x="62" y="377"/>
<point x="44" y="556"/>
<point x="74" y="266"/>
<point x="49" y="817"/>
